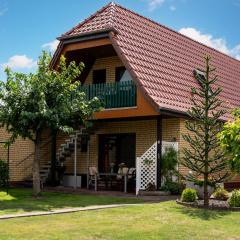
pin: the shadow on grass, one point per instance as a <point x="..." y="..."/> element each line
<point x="204" y="214"/>
<point x="21" y="200"/>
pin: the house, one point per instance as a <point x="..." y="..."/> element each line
<point x="143" y="72"/>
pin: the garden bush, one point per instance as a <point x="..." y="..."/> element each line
<point x="234" y="200"/>
<point x="172" y="187"/>
<point x="221" y="194"/>
<point x="189" y="195"/>
<point x="4" y="173"/>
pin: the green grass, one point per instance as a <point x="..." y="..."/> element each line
<point x="21" y="200"/>
<point x="165" y="220"/>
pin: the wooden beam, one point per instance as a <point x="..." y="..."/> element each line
<point x="86" y="44"/>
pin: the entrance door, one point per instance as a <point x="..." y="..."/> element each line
<point x="115" y="149"/>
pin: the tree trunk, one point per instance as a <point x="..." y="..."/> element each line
<point x="36" y="165"/>
<point x="53" y="157"/>
<point x="205" y="191"/>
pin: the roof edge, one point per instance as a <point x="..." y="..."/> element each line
<point x="106" y="30"/>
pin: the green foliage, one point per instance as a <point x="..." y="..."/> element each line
<point x="200" y="183"/>
<point x="49" y="98"/>
<point x="147" y="162"/>
<point x="234" y="200"/>
<point x="221" y="194"/>
<point x="203" y="156"/>
<point x="172" y="187"/>
<point x="230" y="141"/>
<point x="4" y="173"/>
<point x="189" y="195"/>
<point x="169" y="161"/>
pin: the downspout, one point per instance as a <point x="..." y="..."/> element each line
<point x="159" y="150"/>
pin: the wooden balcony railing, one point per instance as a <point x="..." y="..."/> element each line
<point x="112" y="95"/>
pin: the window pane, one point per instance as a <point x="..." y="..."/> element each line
<point x="99" y="76"/>
<point x="122" y="75"/>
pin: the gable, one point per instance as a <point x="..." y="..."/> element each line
<point x="161" y="60"/>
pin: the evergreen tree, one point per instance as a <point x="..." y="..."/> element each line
<point x="203" y="157"/>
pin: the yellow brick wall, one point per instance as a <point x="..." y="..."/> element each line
<point x="109" y="63"/>
<point x="20" y="158"/>
<point x="183" y="143"/>
<point x="146" y="136"/>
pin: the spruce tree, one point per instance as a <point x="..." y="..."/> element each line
<point x="203" y="157"/>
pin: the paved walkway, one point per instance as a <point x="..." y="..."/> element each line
<point x="65" y="210"/>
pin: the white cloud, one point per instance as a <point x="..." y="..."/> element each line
<point x="52" y="46"/>
<point x="172" y="8"/>
<point x="20" y="62"/>
<point x="236" y="52"/>
<point x="153" y="4"/>
<point x="207" y="39"/>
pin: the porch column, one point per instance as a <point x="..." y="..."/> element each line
<point x="159" y="150"/>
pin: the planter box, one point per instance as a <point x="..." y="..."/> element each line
<point x="69" y="181"/>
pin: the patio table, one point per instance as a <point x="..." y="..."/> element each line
<point x="112" y="175"/>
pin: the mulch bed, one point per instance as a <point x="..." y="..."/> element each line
<point x="213" y="204"/>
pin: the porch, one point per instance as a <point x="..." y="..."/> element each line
<point x="113" y="156"/>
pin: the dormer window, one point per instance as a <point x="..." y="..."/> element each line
<point x="200" y="76"/>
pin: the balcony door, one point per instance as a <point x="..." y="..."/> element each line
<point x="115" y="149"/>
<point x="99" y="76"/>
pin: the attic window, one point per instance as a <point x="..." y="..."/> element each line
<point x="199" y="75"/>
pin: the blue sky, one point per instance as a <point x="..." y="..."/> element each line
<point x="28" y="26"/>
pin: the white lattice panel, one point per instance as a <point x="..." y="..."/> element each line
<point x="148" y="173"/>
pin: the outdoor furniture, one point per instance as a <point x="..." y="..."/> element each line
<point x="131" y="179"/>
<point x="110" y="176"/>
<point x="93" y="177"/>
<point x="122" y="177"/>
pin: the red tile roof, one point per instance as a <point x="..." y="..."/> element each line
<point x="162" y="60"/>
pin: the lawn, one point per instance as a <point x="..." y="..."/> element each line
<point x="165" y="220"/>
<point x="21" y="200"/>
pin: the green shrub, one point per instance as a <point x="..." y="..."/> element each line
<point x="221" y="194"/>
<point x="4" y="173"/>
<point x="189" y="195"/>
<point x="172" y="187"/>
<point x="234" y="200"/>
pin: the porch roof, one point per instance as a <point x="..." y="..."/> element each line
<point x="160" y="60"/>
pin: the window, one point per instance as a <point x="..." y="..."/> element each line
<point x="200" y="76"/>
<point x="99" y="76"/>
<point x="122" y="75"/>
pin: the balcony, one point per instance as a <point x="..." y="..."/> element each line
<point x="112" y="95"/>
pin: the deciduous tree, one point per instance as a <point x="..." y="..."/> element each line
<point x="49" y="98"/>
